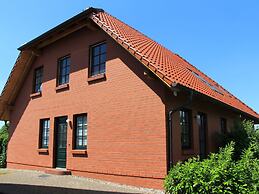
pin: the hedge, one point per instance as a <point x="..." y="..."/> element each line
<point x="217" y="174"/>
<point x="234" y="169"/>
<point x="3" y="145"/>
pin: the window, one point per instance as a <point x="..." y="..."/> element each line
<point x="223" y="124"/>
<point x="80" y="131"/>
<point x="98" y="59"/>
<point x="63" y="70"/>
<point x="44" y="133"/>
<point x="185" y="123"/>
<point x="38" y="75"/>
<point x="216" y="89"/>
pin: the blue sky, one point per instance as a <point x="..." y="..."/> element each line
<point x="219" y="37"/>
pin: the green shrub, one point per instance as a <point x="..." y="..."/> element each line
<point x="3" y="145"/>
<point x="243" y="134"/>
<point x="217" y="174"/>
<point x="246" y="171"/>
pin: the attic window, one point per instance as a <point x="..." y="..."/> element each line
<point x="38" y="75"/>
<point x="214" y="88"/>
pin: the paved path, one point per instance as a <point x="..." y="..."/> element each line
<point x="34" y="182"/>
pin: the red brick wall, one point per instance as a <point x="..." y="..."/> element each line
<point x="126" y="115"/>
<point x="214" y="113"/>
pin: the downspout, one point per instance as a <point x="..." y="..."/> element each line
<point x="170" y="123"/>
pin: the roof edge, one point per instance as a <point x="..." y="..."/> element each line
<point x="63" y="24"/>
<point x="164" y="79"/>
<point x="90" y="12"/>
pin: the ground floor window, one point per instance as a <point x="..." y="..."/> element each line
<point x="80" y="131"/>
<point x="44" y="133"/>
<point x="186" y="128"/>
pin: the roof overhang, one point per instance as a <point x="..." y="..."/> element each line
<point x="73" y="24"/>
<point x="242" y="115"/>
<point x="14" y="82"/>
<point x="32" y="49"/>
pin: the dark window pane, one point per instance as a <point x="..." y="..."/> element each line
<point x="67" y="79"/>
<point x="68" y="62"/>
<point x="102" y="68"/>
<point x="95" y="70"/>
<point x="185" y="125"/>
<point x="103" y="58"/>
<point x="38" y="75"/>
<point x="64" y="70"/>
<point x="67" y="70"/>
<point x="98" y="59"/>
<point x="103" y="48"/>
<point x="62" y="80"/>
<point x="96" y="50"/>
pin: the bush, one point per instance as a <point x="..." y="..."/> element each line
<point x="217" y="174"/>
<point x="3" y="145"/>
<point x="243" y="134"/>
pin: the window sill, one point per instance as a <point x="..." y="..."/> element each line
<point x="79" y="152"/>
<point x="35" y="95"/>
<point x="96" y="77"/>
<point x="62" y="87"/>
<point x="43" y="151"/>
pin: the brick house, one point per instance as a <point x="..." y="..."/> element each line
<point x="100" y="99"/>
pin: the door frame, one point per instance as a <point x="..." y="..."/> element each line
<point x="205" y="131"/>
<point x="55" y="140"/>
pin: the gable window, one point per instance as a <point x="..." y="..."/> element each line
<point x="98" y="59"/>
<point x="80" y="131"/>
<point x="44" y="133"/>
<point x="223" y="124"/>
<point x="63" y="70"/>
<point x="185" y="124"/>
<point x="38" y="75"/>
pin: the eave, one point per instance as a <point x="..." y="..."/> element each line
<point x="90" y="19"/>
<point x="71" y="25"/>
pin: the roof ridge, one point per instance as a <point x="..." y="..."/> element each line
<point x="140" y="33"/>
<point x="168" y="66"/>
<point x="163" y="62"/>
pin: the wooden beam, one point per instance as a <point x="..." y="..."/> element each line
<point x="92" y="26"/>
<point x="59" y="35"/>
<point x="36" y="52"/>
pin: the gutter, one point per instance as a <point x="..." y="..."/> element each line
<point x="170" y="124"/>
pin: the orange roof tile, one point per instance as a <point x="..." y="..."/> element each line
<point x="168" y="66"/>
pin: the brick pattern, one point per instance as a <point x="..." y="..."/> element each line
<point x="127" y="140"/>
<point x="126" y="116"/>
